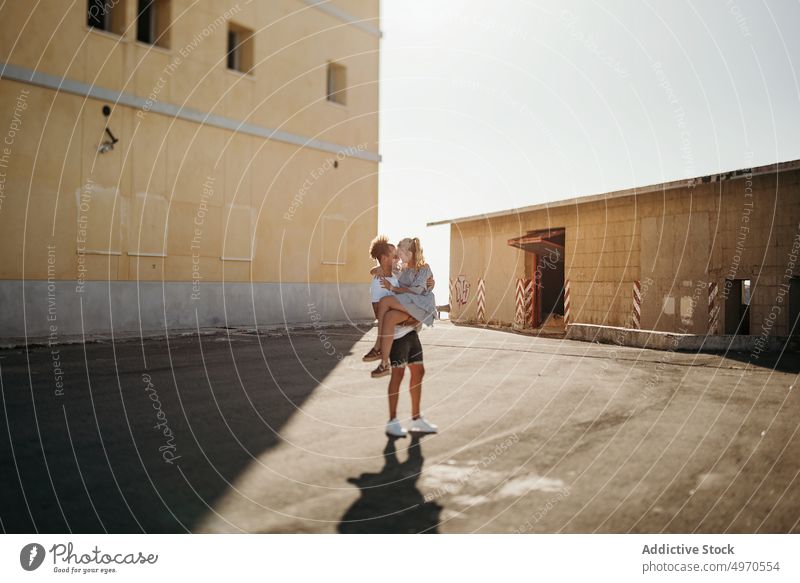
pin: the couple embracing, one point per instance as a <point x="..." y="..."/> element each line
<point x="403" y="300"/>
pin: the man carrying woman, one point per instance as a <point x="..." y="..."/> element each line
<point x="398" y="324"/>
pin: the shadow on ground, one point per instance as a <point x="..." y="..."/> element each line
<point x="788" y="362"/>
<point x="390" y="501"/>
<point x="146" y="436"/>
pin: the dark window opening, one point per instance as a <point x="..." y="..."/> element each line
<point x="233" y="61"/>
<point x="108" y="15"/>
<point x="737" y="306"/>
<point x="336" y="84"/>
<point x="152" y="22"/>
<point x="240" y="49"/>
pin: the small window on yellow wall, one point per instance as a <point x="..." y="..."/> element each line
<point x="334" y="240"/>
<point x="337" y="83"/>
<point x="240" y="48"/>
<point x="106" y="15"/>
<point x="152" y="22"/>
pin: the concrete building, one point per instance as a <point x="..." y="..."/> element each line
<point x="716" y="255"/>
<point x="172" y="163"/>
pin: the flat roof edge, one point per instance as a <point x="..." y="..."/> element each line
<point x="774" y="168"/>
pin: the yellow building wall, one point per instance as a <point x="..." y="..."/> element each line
<point x="143" y="199"/>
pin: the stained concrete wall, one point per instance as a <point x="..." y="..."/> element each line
<point x="675" y="258"/>
<point x="756" y="238"/>
<point x="38" y="309"/>
<point x="674" y="240"/>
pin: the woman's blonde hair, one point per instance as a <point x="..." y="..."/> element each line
<point x="414" y="247"/>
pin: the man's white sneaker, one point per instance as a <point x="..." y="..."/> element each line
<point x="421" y="425"/>
<point x="394" y="429"/>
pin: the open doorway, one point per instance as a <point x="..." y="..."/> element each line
<point x="544" y="262"/>
<point x="737" y="306"/>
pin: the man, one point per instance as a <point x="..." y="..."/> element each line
<point x="406" y="349"/>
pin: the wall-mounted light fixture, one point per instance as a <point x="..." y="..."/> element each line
<point x="107" y="145"/>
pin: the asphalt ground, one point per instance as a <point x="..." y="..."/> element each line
<point x="231" y="431"/>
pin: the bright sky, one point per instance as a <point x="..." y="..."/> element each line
<point x="487" y="106"/>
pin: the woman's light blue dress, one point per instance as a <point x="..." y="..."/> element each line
<point x="420" y="302"/>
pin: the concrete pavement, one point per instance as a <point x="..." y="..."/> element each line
<point x="283" y="432"/>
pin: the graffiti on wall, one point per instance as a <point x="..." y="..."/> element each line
<point x="461" y="290"/>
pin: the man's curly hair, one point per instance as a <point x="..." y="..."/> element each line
<point x="379" y="247"/>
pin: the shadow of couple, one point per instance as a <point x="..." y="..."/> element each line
<point x="390" y="501"/>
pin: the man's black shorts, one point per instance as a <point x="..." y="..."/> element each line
<point x="406" y="350"/>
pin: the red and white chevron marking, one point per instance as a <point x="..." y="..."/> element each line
<point x="637" y="305"/>
<point x="481" y="300"/>
<point x="713" y="309"/>
<point x="523" y="299"/>
<point x="566" y="302"/>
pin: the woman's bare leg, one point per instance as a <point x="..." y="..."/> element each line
<point x="390" y="320"/>
<point x="376" y="308"/>
<point x="387" y="303"/>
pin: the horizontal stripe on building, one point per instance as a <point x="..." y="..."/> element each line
<point x="24" y="75"/>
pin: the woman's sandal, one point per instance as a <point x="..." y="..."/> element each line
<point x="381" y="371"/>
<point x="373" y="354"/>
